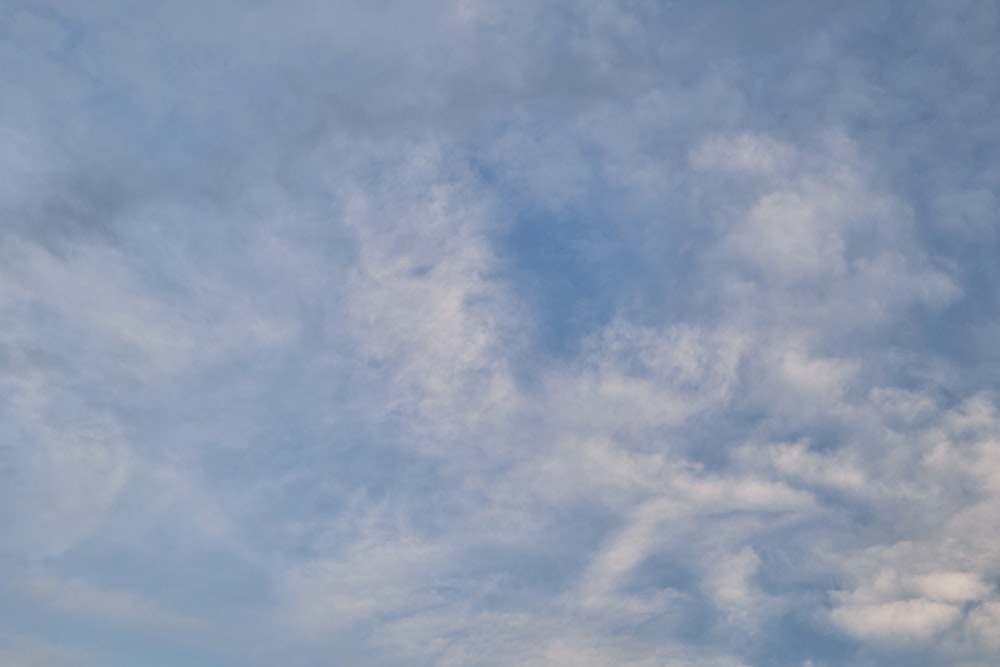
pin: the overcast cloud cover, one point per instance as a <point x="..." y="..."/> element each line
<point x="525" y="333"/>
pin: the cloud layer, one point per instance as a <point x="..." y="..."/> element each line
<point x="558" y="333"/>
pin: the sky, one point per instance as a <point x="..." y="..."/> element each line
<point x="534" y="333"/>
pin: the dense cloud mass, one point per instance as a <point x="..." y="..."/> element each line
<point x="528" y="333"/>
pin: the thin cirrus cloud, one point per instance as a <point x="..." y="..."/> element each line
<point x="467" y="333"/>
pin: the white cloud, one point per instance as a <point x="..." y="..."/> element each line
<point x="67" y="464"/>
<point x="729" y="583"/>
<point x="952" y="587"/>
<point x="420" y="301"/>
<point x="903" y="620"/>
<point x="745" y="153"/>
<point x="984" y="623"/>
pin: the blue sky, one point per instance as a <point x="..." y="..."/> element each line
<point x="466" y="333"/>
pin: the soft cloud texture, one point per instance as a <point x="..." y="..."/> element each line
<point x="527" y="333"/>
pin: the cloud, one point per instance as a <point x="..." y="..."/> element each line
<point x="64" y="463"/>
<point x="31" y="652"/>
<point x="536" y="334"/>
<point x="746" y="153"/>
<point x="903" y="620"/>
